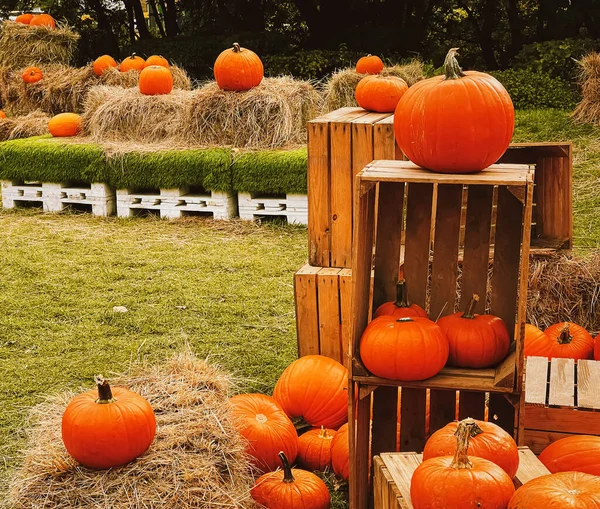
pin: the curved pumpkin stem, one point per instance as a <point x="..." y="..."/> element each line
<point x="451" y="67"/>
<point x="565" y="335"/>
<point x="133" y="55"/>
<point x="401" y="294"/>
<point x="323" y="434"/>
<point x="288" y="477"/>
<point x="105" y="395"/>
<point x="470" y="311"/>
<point x="467" y="429"/>
<point x="236" y="47"/>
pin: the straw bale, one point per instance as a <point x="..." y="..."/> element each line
<point x="588" y="110"/>
<point x="33" y="124"/>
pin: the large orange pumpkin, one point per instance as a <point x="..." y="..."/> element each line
<point x="400" y="308"/>
<point x="314" y="449"/>
<point x="262" y="422"/>
<point x="157" y="60"/>
<point x="43" y="20"/>
<point x="371" y="64"/>
<point x="380" y="93"/>
<point x="238" y="69"/>
<point x="314" y="387"/>
<point x="460" y="481"/>
<point x="25" y="19"/>
<point x="102" y="63"/>
<point x="460" y="122"/>
<point x="340" y="453"/>
<point x="493" y="444"/>
<point x="107" y="428"/>
<point x="32" y="75"/>
<point x="134" y="62"/>
<point x="64" y="125"/>
<point x="566" y="490"/>
<point x="155" y="80"/>
<point x="290" y="489"/>
<point x="562" y="340"/>
<point x="578" y="453"/>
<point x="404" y="348"/>
<point x="476" y="341"/>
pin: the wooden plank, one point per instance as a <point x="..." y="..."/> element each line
<point x="442" y="409"/>
<point x="471" y="404"/>
<point x="362" y="145"/>
<point x="328" y="296"/>
<point x="386" y="494"/>
<point x="346" y="311"/>
<point x="529" y="467"/>
<point x="412" y="419"/>
<point x="536" y="381"/>
<point x="502" y="412"/>
<point x="588" y="382"/>
<point x="385" y="420"/>
<point x="360" y="454"/>
<point x="562" y="420"/>
<point x="554" y="206"/>
<point x="537" y="441"/>
<point x="307" y="321"/>
<point x="562" y="382"/>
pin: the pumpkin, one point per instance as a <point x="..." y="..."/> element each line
<point x="340" y="453"/>
<point x="380" y="93"/>
<point x="597" y="349"/>
<point x="400" y="308"/>
<point x="102" y="63"/>
<point x="476" y="341"/>
<point x="262" y="422"/>
<point x="314" y="387"/>
<point x="43" y="20"/>
<point x="404" y="348"/>
<point x="492" y="443"/>
<point x="562" y="340"/>
<point x="32" y="75"/>
<point x="157" y="60"/>
<point x="578" y="453"/>
<point x="314" y="449"/>
<point x="460" y="481"/>
<point x="155" y="80"/>
<point x="290" y="488"/>
<point x="2" y="114"/>
<point x="565" y="490"/>
<point x="460" y="122"/>
<point x="64" y="124"/>
<point x="134" y="62"/>
<point x="107" y="428"/>
<point x="25" y="19"/>
<point x="370" y="64"/>
<point x="238" y="69"/>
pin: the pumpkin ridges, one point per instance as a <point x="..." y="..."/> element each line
<point x="573" y="490"/>
<point x="579" y="453"/>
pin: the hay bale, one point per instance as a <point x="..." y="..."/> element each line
<point x="197" y="459"/>
<point x="23" y="45"/>
<point x="272" y="115"/>
<point x="588" y="110"/>
<point x="112" y="77"/>
<point x="33" y="124"/>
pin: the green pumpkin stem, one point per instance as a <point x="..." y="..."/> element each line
<point x="105" y="395"/>
<point x="470" y="311"/>
<point x="236" y="47"/>
<point x="565" y="335"/>
<point x="451" y="68"/>
<point x="467" y="429"/>
<point x="401" y="294"/>
<point x="288" y="477"/>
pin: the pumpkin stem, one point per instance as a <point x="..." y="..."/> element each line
<point x="470" y="311"/>
<point x="451" y="67"/>
<point x="401" y="296"/>
<point x="288" y="477"/>
<point x="565" y="335"/>
<point x="467" y="428"/>
<point x="323" y="434"/>
<point x="236" y="47"/>
<point x="133" y="55"/>
<point x="104" y="393"/>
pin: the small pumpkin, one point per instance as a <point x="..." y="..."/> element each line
<point x="32" y="75"/>
<point x="238" y="69"/>
<point x="24" y="19"/>
<point x="157" y="60"/>
<point x="476" y="341"/>
<point x="340" y="453"/>
<point x="262" y="422"/>
<point x="370" y="64"/>
<point x="107" y="428"/>
<point x="403" y="348"/>
<point x="565" y="490"/>
<point x="577" y="453"/>
<point x="562" y="340"/>
<point x="44" y="20"/>
<point x="134" y="62"/>
<point x="290" y="488"/>
<point x="314" y="449"/>
<point x="492" y="443"/>
<point x="155" y="80"/>
<point x="314" y="387"/>
<point x="460" y="481"/>
<point x="400" y="308"/>
<point x="64" y="125"/>
<point x="102" y="63"/>
<point x="380" y="93"/>
<point x="2" y="114"/>
<point x="597" y="348"/>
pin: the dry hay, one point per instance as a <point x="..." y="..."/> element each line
<point x="272" y="115"/>
<point x="197" y="459"/>
<point x="23" y="45"/>
<point x="33" y="124"/>
<point x="114" y="78"/>
<point x="339" y="89"/>
<point x="588" y="110"/>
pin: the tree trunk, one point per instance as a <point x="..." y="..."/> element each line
<point x="159" y="21"/>
<point x="112" y="43"/>
<point x="515" y="27"/>
<point x="130" y="21"/>
<point x="311" y="15"/>
<point x="140" y="21"/>
<point x="171" y="19"/>
<point x="485" y="36"/>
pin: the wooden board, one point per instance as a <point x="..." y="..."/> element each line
<point x="305" y="289"/>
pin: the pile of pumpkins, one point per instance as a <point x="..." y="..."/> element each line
<point x="40" y="20"/>
<point x="564" y="340"/>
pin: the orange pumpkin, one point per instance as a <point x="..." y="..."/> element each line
<point x="562" y="340"/>
<point x="577" y="453"/>
<point x="43" y="20"/>
<point x="134" y="62"/>
<point x="370" y="64"/>
<point x="597" y="348"/>
<point x="262" y="422"/>
<point x="2" y="114"/>
<point x="290" y="489"/>
<point x="404" y="348"/>
<point x="32" y="75"/>
<point x="25" y="19"/>
<point x="340" y="453"/>
<point x="314" y="449"/>
<point x="314" y="387"/>
<point x="476" y="341"/>
<point x="380" y="93"/>
<point x="460" y="122"/>
<point x="155" y="80"/>
<point x="400" y="308"/>
<point x="64" y="125"/>
<point x="107" y="428"/>
<point x="492" y="443"/>
<point x="157" y="60"/>
<point x="238" y="69"/>
<point x="102" y="63"/>
<point x="460" y="481"/>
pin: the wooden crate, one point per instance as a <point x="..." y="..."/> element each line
<point x="432" y="276"/>
<point x="394" y="471"/>
<point x="561" y="399"/>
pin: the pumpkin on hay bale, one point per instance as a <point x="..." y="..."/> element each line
<point x="196" y="460"/>
<point x="588" y="110"/>
<point x="32" y="124"/>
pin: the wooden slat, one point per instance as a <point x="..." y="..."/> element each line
<point x="588" y="384"/>
<point x="562" y="383"/>
<point x="346" y="311"/>
<point x="536" y="380"/>
<point x="412" y="419"/>
<point x="529" y="467"/>
<point x="328" y="296"/>
<point x="384" y="142"/>
<point x="555" y="208"/>
<point x="359" y="459"/>
<point x="537" y="441"/>
<point x="502" y="413"/>
<point x="562" y="420"/>
<point x="386" y="494"/>
<point x="442" y="409"/>
<point x="307" y="321"/>
<point x="340" y="112"/>
<point x="385" y="413"/>
<point x="472" y="404"/>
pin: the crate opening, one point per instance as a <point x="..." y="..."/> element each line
<point x="145" y="213"/>
<point x="26" y="204"/>
<point x="78" y="208"/>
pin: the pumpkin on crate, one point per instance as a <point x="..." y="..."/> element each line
<point x="134" y="62"/>
<point x="490" y="442"/>
<point x="44" y="20"/>
<point x="32" y="75"/>
<point x="262" y="422"/>
<point x="340" y="453"/>
<point x="400" y="308"/>
<point x="380" y="93"/>
<point x="460" y="122"/>
<point x="460" y="481"/>
<point x="314" y="449"/>
<point x="562" y="340"/>
<point x="64" y="125"/>
<point x="155" y="80"/>
<point x="238" y="69"/>
<point x="290" y="488"/>
<point x="107" y="427"/>
<point x="102" y="63"/>
<point x="371" y="64"/>
<point x="24" y="18"/>
<point x="156" y="60"/>
<point x="577" y="453"/>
